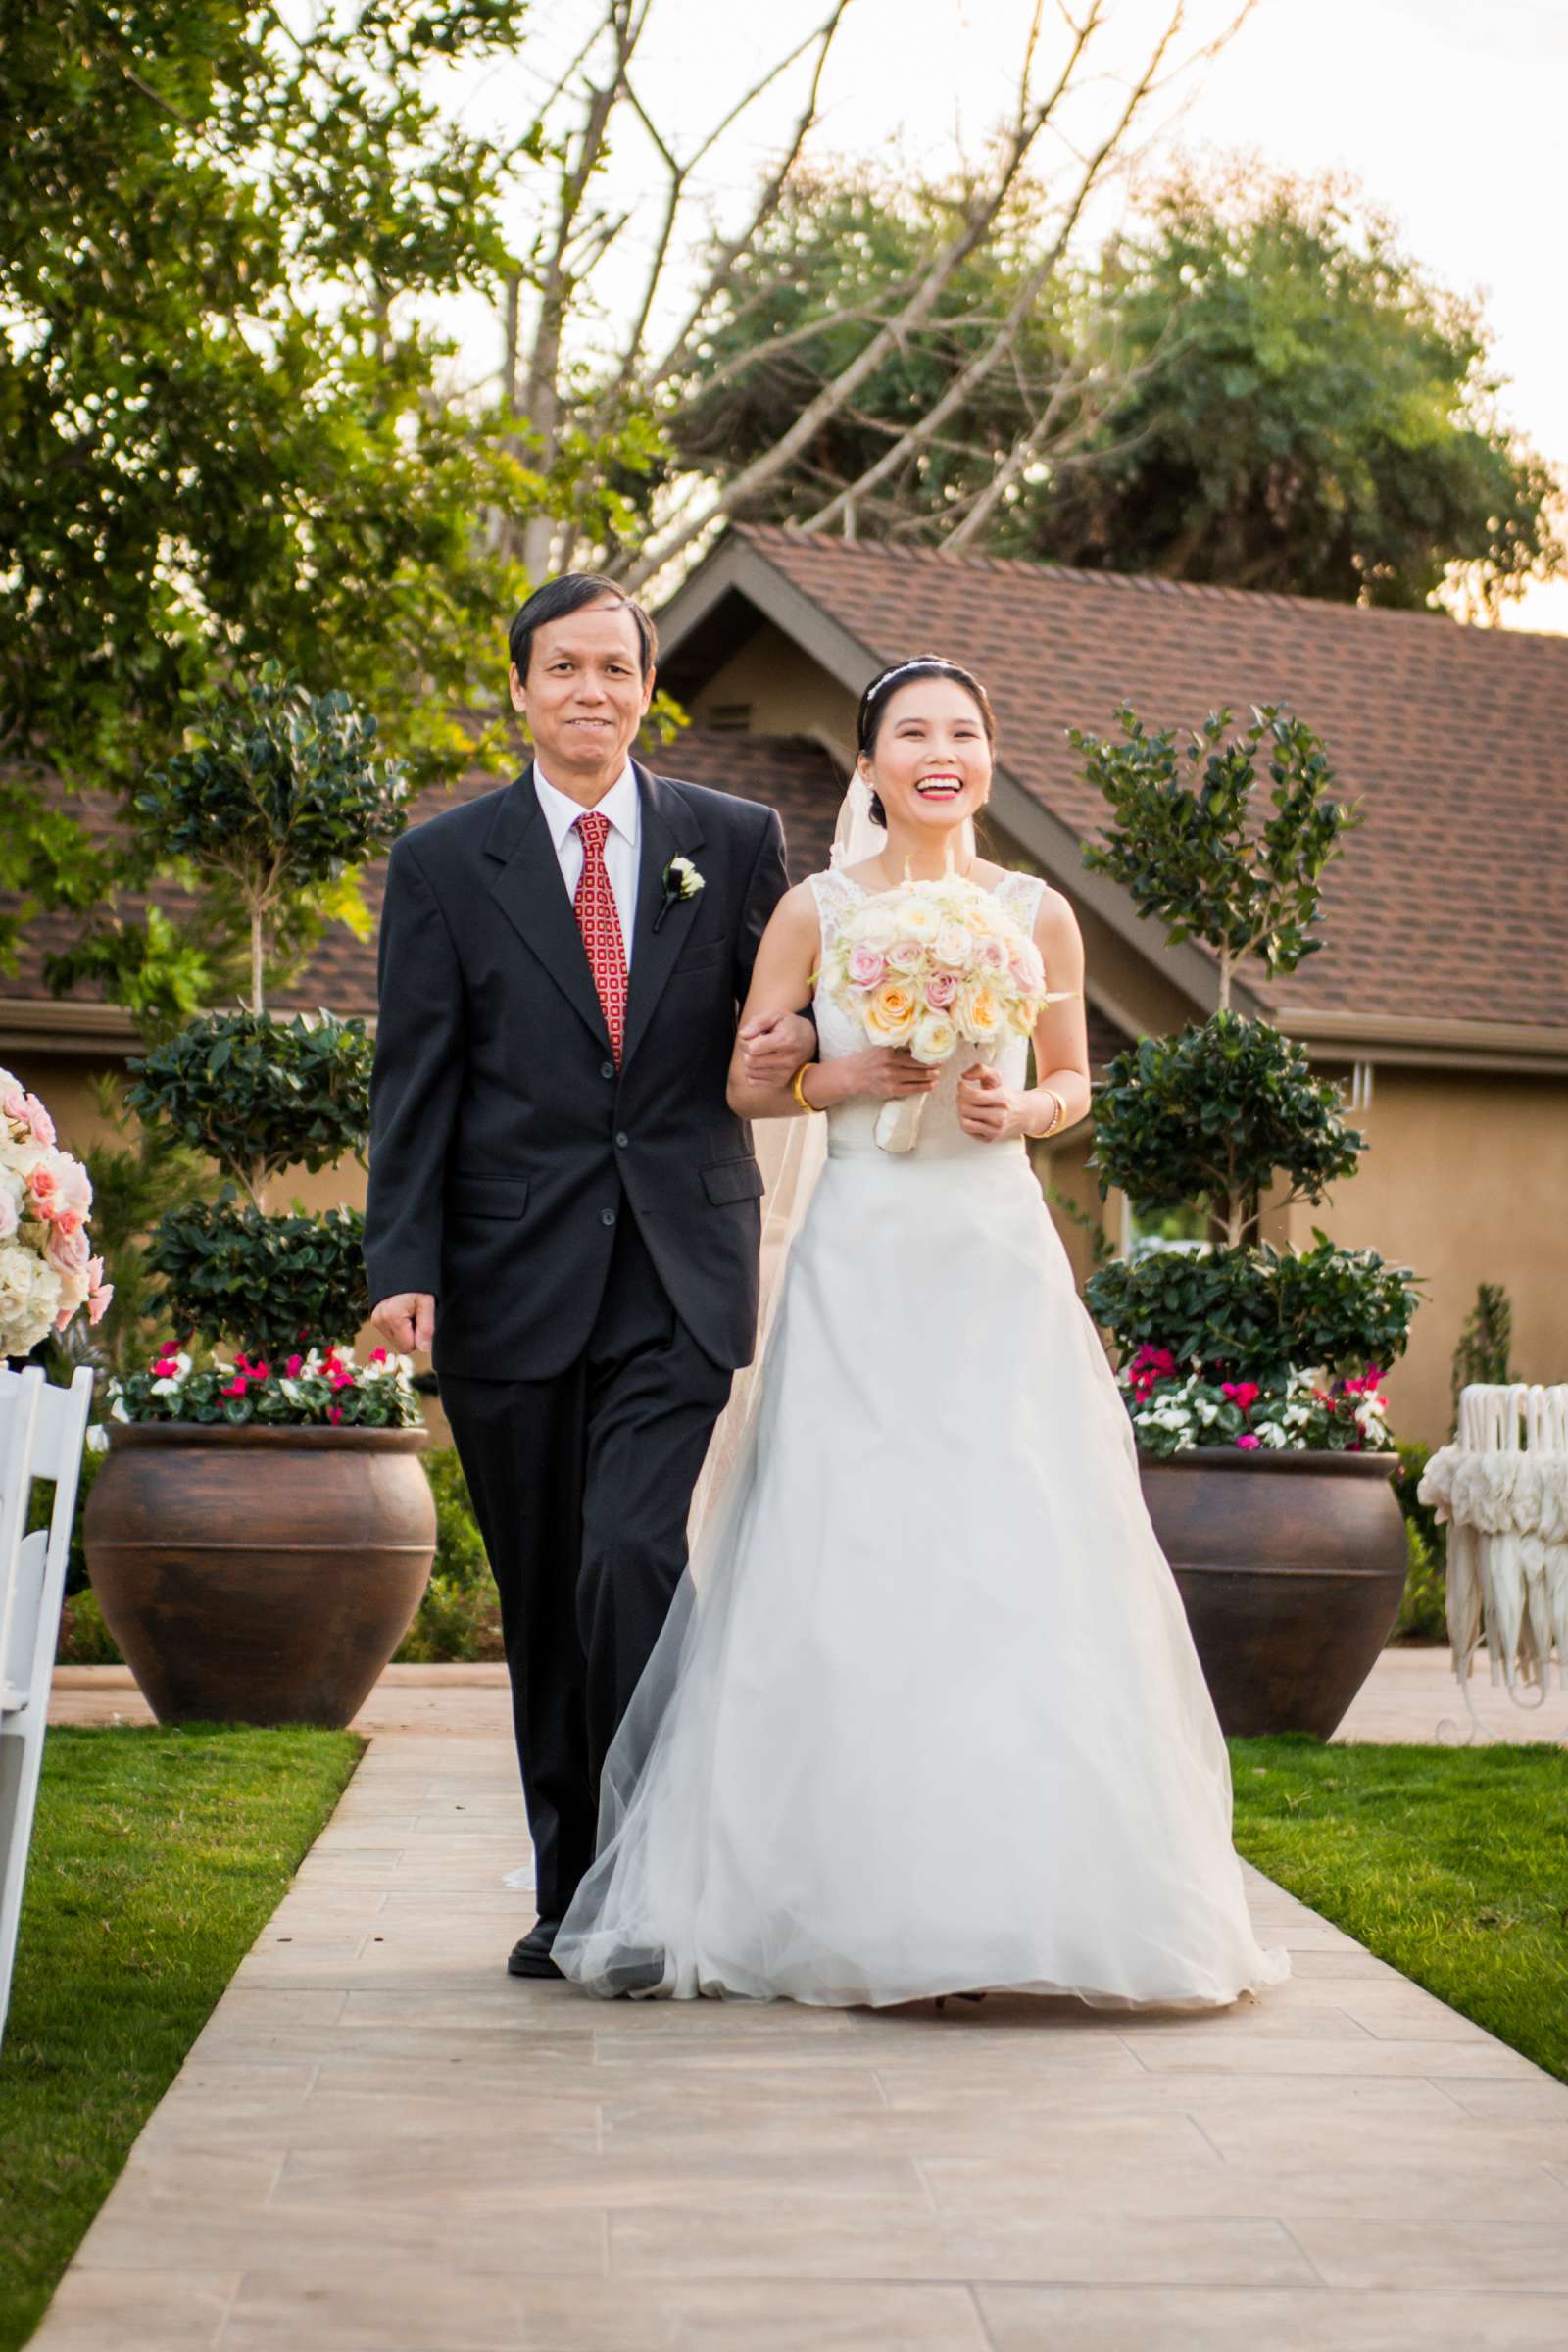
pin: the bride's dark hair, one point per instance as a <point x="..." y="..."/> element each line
<point x="873" y="706"/>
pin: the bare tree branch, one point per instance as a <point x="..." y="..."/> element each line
<point x="737" y="247"/>
<point x="541" y="396"/>
<point x="969" y="379"/>
<point x="977" y="219"/>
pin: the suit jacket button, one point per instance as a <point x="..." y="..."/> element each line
<point x="607" y="1216"/>
<point x="606" y="1069"/>
<point x="622" y="1140"/>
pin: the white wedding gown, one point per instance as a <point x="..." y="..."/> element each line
<point x="926" y="1716"/>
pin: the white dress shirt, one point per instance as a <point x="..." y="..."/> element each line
<point x="623" y="808"/>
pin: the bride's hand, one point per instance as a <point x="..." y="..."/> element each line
<point x="886" y="1073"/>
<point x="988" y="1108"/>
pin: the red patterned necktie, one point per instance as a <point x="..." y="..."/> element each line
<point x="600" y="925"/>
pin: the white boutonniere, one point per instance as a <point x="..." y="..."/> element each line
<point x="681" y="881"/>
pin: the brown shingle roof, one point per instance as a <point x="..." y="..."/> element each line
<point x="1451" y="901"/>
<point x="792" y="773"/>
<point x="789" y="772"/>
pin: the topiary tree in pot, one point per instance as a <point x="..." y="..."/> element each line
<point x="1239" y="1358"/>
<point x="261" y="1532"/>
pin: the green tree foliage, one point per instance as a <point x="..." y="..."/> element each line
<point x="1314" y="414"/>
<point x="228" y="423"/>
<point x="1259" y="1313"/>
<point x="1215" y="1116"/>
<point x="1202" y="856"/>
<point x="1256" y="385"/>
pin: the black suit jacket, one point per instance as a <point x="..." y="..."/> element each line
<point x="504" y="1144"/>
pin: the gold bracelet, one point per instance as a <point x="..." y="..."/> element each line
<point x="798" y="1087"/>
<point x="1058" y="1116"/>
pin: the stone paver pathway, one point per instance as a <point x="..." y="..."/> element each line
<point x="1407" y="1696"/>
<point x="381" y="2143"/>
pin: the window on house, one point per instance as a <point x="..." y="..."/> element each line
<point x="729" y="718"/>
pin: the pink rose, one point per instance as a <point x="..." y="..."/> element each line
<point x="1248" y="1442"/>
<point x="44" y="1186"/>
<point x="67" y="1252"/>
<point x="99" y="1299"/>
<point x="904" y="955"/>
<point x="15" y="1105"/>
<point x="38" y="1120"/>
<point x="991" y="954"/>
<point x="939" y="990"/>
<point x="867" y="969"/>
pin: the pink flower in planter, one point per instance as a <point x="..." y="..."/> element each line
<point x="294" y="1365"/>
<point x="1248" y="1442"/>
<point x="379" y="1355"/>
<point x="1242" y="1393"/>
<point x="260" y="1371"/>
<point x="334" y="1412"/>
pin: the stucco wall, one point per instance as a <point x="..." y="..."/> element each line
<point x="1466" y="1178"/>
<point x="785" y="692"/>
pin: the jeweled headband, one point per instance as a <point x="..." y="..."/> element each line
<point x="939" y="664"/>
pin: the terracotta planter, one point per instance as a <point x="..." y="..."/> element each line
<point x="259" y="1575"/>
<point x="1291" y="1568"/>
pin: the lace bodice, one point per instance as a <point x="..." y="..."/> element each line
<point x="850" y="1124"/>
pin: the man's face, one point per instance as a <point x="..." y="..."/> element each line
<point x="585" y="695"/>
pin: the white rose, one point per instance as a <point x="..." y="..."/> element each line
<point x="918" y="919"/>
<point x="877" y="928"/>
<point x="935" y="1039"/>
<point x="951" y="944"/>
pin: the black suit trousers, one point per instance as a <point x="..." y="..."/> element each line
<point x="581" y="1485"/>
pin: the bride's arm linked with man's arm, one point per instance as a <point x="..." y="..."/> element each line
<point x="785" y="974"/>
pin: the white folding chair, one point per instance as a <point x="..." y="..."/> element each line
<point x="43" y="1431"/>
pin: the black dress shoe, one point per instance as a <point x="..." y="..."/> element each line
<point x="531" y="1954"/>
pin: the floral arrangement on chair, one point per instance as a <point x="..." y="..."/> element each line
<point x="47" y="1270"/>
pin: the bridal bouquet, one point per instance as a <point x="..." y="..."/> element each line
<point x="47" y="1272"/>
<point x="933" y="966"/>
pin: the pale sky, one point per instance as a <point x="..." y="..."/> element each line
<point x="1450" y="112"/>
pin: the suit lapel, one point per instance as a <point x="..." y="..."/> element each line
<point x="526" y="884"/>
<point x="669" y="829"/>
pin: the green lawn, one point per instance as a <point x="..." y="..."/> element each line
<point x="157" y="1858"/>
<point x="1450" y="1863"/>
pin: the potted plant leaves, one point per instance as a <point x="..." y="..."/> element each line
<point x="262" y="1531"/>
<point x="1252" y="1374"/>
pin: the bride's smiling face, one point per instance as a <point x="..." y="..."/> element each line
<point x="930" y="764"/>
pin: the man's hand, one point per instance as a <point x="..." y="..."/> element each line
<point x="773" y="1046"/>
<point x="406" y="1322"/>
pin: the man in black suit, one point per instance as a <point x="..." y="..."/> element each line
<point x="560" y="1199"/>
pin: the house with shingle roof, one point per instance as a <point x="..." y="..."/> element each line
<point x="1439" y="998"/>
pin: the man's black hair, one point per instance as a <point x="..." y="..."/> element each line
<point x="568" y="594"/>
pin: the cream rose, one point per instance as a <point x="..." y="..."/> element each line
<point x="891" y="1013"/>
<point x="951" y="947"/>
<point x="978" y="1011"/>
<point x="920" y="918"/>
<point x="935" y="1039"/>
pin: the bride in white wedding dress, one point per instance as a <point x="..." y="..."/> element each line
<point x="926" y="1717"/>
